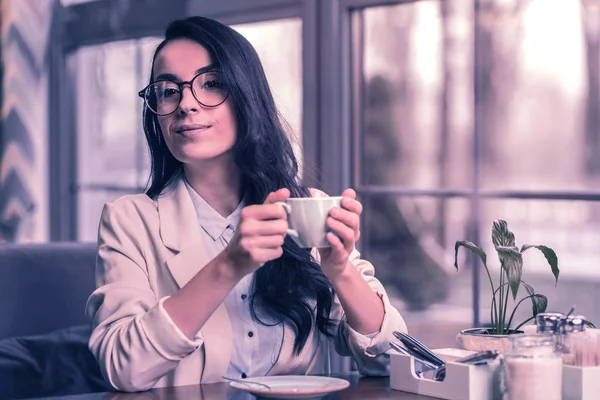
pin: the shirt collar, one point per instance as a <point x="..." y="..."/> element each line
<point x="213" y="223"/>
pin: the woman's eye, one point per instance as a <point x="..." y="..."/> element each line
<point x="212" y="85"/>
<point x="169" y="92"/>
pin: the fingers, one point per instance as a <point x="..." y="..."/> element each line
<point x="346" y="233"/>
<point x="262" y="242"/>
<point x="350" y="203"/>
<point x="349" y="193"/>
<point x="268" y="210"/>
<point x="279" y="195"/>
<point x="252" y="227"/>
<point x="348" y="218"/>
<point x="335" y="242"/>
<point x="345" y="220"/>
<point x="263" y="212"/>
<point x="262" y="230"/>
<point x="261" y="256"/>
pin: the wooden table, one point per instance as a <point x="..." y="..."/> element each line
<point x="360" y="389"/>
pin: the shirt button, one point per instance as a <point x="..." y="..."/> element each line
<point x="250" y="334"/>
<point x="244" y="297"/>
<point x="244" y="375"/>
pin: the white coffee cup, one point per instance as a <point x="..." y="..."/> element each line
<point x="307" y="217"/>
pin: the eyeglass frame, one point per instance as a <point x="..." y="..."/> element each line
<point x="142" y="93"/>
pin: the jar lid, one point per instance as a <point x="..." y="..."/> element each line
<point x="537" y="344"/>
<point x="549" y="322"/>
<point x="573" y="323"/>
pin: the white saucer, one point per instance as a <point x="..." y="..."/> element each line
<point x="292" y="386"/>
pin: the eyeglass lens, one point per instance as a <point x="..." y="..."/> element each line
<point x="163" y="97"/>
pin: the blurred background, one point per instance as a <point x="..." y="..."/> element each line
<point x="444" y="115"/>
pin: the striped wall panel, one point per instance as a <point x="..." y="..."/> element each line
<point x="25" y="26"/>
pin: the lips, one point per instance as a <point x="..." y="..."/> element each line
<point x="191" y="129"/>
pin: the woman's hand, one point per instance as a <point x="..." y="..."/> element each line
<point x="260" y="234"/>
<point x="345" y="223"/>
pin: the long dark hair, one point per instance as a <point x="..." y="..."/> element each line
<point x="283" y="288"/>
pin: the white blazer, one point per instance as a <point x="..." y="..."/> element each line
<point x="147" y="251"/>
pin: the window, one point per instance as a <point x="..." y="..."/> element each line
<point x="112" y="155"/>
<point x="432" y="169"/>
<point x="283" y="67"/>
<point x="413" y="150"/>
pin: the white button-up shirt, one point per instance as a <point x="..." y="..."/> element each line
<point x="256" y="347"/>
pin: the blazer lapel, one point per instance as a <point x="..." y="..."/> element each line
<point x="178" y="220"/>
<point x="180" y="232"/>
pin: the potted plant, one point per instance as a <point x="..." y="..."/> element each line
<point x="510" y="282"/>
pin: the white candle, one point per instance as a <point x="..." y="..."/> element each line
<point x="533" y="378"/>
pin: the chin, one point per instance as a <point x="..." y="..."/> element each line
<point x="199" y="156"/>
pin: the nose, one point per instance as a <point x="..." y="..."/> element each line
<point x="188" y="103"/>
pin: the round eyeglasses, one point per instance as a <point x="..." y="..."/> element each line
<point x="163" y="97"/>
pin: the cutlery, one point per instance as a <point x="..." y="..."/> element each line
<point x="417" y="347"/>
<point x="417" y="356"/>
<point x="479" y="358"/>
<point x="246" y="381"/>
<point x="437" y="372"/>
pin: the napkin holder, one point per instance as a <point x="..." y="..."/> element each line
<point x="462" y="381"/>
<point x="581" y="383"/>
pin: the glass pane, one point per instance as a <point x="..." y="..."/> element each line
<point x="410" y="241"/>
<point x="570" y="228"/>
<point x="111" y="144"/>
<point x="417" y="105"/>
<point x="539" y="97"/>
<point x="111" y="147"/>
<point x="283" y="67"/>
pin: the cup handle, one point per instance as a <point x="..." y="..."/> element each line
<point x="288" y="209"/>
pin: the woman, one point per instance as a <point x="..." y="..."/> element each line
<point x="196" y="279"/>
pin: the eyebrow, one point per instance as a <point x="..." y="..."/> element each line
<point x="172" y="77"/>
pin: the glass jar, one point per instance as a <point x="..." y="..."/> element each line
<point x="533" y="369"/>
<point x="573" y="339"/>
<point x="551" y="323"/>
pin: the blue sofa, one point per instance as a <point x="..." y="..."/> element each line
<point x="43" y="328"/>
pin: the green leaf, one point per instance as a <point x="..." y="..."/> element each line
<point x="477" y="250"/>
<point x="501" y="236"/>
<point x="550" y="257"/>
<point x="523" y="323"/>
<point x="539" y="302"/>
<point x="533" y="297"/>
<point x="590" y="324"/>
<point x="474" y="249"/>
<point x="511" y="261"/>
